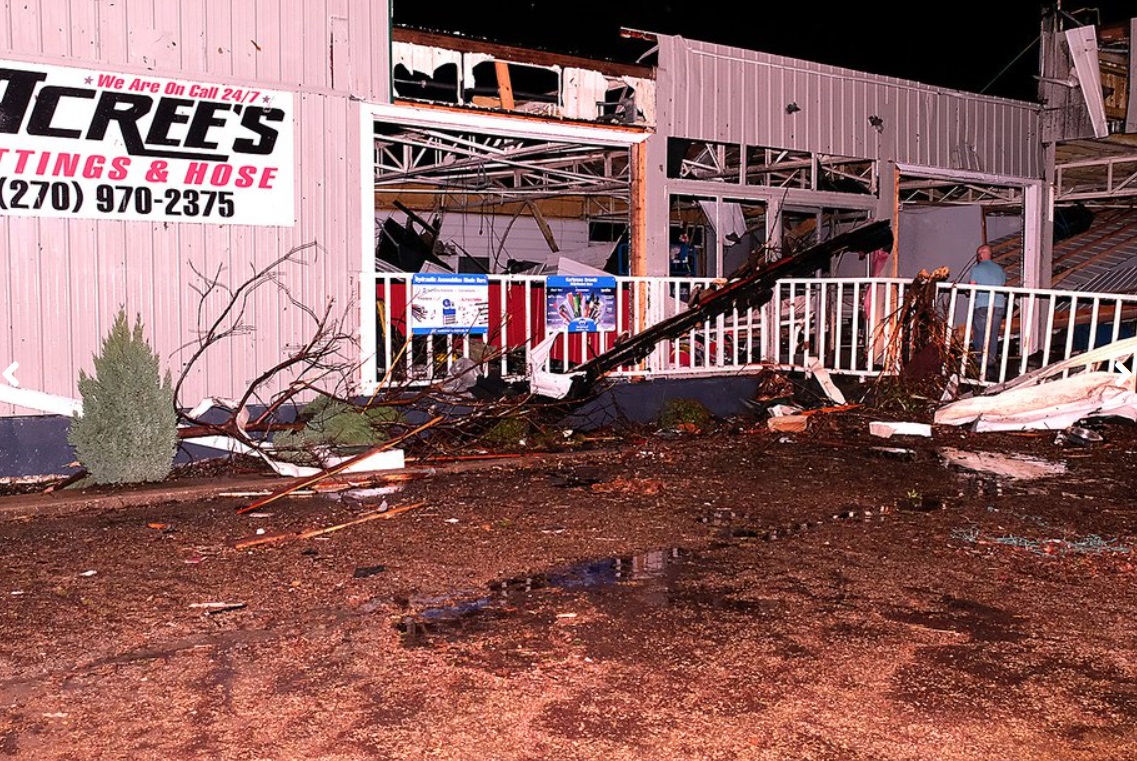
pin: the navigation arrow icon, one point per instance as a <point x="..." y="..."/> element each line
<point x="10" y="374"/>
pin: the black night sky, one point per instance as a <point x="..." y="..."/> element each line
<point x="989" y="47"/>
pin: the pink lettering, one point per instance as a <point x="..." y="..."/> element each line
<point x="267" y="176"/>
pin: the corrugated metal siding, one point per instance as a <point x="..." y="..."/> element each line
<point x="67" y="278"/>
<point x="723" y="94"/>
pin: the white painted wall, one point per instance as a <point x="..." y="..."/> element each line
<point x="66" y="278"/>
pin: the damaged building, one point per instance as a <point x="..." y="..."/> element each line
<point x="452" y="195"/>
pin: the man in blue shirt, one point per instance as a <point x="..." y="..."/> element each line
<point x="990" y="307"/>
<point x="683" y="258"/>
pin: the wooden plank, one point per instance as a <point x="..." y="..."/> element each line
<point x="504" y="85"/>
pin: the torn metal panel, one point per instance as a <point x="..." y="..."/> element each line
<point x="1056" y="396"/>
<point x="1118" y="356"/>
<point x="1051" y="406"/>
<point x="483" y="72"/>
<point x="1083" y="44"/>
<point x="581" y="91"/>
<point x="424" y="65"/>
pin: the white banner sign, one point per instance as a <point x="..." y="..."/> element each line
<point x="457" y="303"/>
<point x="103" y="145"/>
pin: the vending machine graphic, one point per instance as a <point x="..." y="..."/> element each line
<point x="580" y="304"/>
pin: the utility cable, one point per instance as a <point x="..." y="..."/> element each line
<point x="1014" y="60"/>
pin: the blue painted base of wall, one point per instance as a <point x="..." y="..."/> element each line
<point x="642" y="402"/>
<point x="37" y="445"/>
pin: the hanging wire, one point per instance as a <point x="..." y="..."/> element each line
<point x="1014" y="60"/>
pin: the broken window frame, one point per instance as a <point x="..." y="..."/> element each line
<point x="433" y="134"/>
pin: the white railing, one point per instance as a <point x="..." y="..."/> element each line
<point x="848" y="325"/>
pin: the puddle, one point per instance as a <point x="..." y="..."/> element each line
<point x="650" y="576"/>
<point x="449" y="614"/>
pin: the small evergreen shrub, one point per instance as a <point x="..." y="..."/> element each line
<point x="127" y="432"/>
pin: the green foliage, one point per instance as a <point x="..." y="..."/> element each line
<point x="330" y="422"/>
<point x="127" y="432"/>
<point x="507" y="432"/>
<point x="684" y="413"/>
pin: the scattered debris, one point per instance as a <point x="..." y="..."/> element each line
<point x="213" y="608"/>
<point x="1056" y="396"/>
<point x="1079" y="436"/>
<point x="752" y="289"/>
<point x="889" y="429"/>
<point x="362" y="495"/>
<point x="621" y="485"/>
<point x="577" y="478"/>
<point x="788" y="423"/>
<point x="782" y="410"/>
<point x="818" y="371"/>
<point x="541" y="381"/>
<point x="894" y="453"/>
<point x="1092" y="544"/>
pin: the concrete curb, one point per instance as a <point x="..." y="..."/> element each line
<point x="24" y="506"/>
<point x="63" y="502"/>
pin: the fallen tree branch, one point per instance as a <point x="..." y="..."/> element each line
<point x="300" y="484"/>
<point x="371" y="516"/>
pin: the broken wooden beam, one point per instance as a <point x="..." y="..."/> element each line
<point x="340" y="468"/>
<point x="370" y="516"/>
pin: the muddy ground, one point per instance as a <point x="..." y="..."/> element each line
<point x="729" y="594"/>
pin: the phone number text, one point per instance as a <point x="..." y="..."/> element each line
<point x="17" y="195"/>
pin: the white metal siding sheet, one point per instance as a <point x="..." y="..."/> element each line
<point x="281" y="44"/>
<point x="67" y="278"/>
<point x="740" y="96"/>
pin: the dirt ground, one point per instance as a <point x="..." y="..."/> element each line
<point x="730" y="594"/>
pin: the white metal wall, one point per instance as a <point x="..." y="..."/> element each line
<point x="66" y="279"/>
<point x="718" y="93"/>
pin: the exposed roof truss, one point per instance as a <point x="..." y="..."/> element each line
<point x="460" y="163"/>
